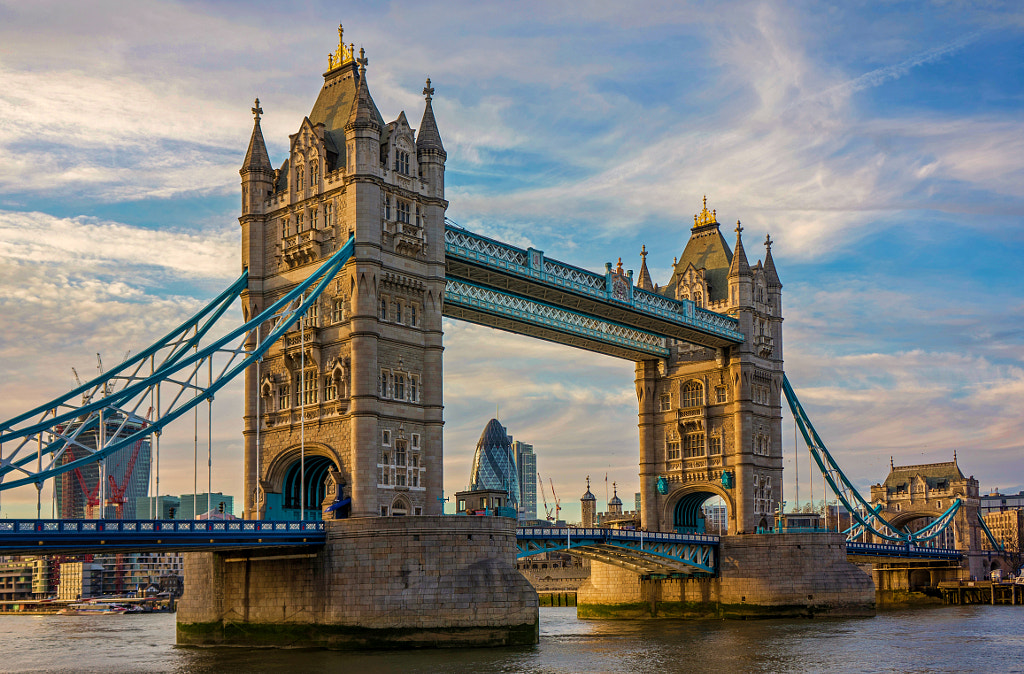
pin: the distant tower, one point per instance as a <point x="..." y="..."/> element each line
<point x="494" y="465"/>
<point x="615" y="505"/>
<point x="588" y="506"/>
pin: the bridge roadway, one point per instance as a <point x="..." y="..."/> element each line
<point x="646" y="553"/>
<point x="499" y="285"/>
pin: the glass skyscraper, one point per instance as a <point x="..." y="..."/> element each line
<point x="494" y="464"/>
<point x="526" y="463"/>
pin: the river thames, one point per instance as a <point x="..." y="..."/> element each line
<point x="939" y="639"/>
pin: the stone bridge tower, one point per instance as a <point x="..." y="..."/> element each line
<point x="357" y="390"/>
<point x="913" y="496"/>
<point x="711" y="419"/>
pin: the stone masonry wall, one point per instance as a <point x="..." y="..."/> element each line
<point x="378" y="582"/>
<point x="760" y="576"/>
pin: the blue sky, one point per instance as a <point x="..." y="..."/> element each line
<point x="881" y="144"/>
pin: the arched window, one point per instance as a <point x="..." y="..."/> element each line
<point x="400" y="507"/>
<point x="693" y="394"/>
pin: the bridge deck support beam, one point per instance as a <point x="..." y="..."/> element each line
<point x="399" y="582"/>
<point x="773" y="575"/>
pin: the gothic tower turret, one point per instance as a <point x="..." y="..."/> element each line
<point x="710" y="419"/>
<point x="352" y="396"/>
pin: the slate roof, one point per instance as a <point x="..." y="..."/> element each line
<point x="334" y="105"/>
<point x="707" y="249"/>
<point x="932" y="473"/>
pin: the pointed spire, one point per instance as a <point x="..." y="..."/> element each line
<point x="256" y="156"/>
<point x="771" y="275"/>
<point x="644" y="279"/>
<point x="363" y="108"/>
<point x="739" y="265"/>
<point x="427" y="137"/>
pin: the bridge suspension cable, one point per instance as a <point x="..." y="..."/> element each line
<point x="867" y="517"/>
<point x="113" y="404"/>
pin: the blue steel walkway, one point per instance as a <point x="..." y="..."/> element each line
<point x="499" y="285"/>
<point x="643" y="552"/>
<point x="77" y="537"/>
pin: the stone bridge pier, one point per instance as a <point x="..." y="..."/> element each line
<point x="399" y="582"/>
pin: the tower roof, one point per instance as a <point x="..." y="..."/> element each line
<point x="706" y="249"/>
<point x="644" y="279"/>
<point x="256" y="156"/>
<point x="616" y="501"/>
<point x="364" y="110"/>
<point x="771" y="275"/>
<point x="739" y="265"/>
<point x="428" y="137"/>
<point x="588" y="496"/>
<point x="933" y="474"/>
<point x="333" y="105"/>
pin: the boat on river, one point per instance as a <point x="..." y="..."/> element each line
<point x="92" y="609"/>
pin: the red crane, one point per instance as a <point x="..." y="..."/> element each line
<point x="117" y="492"/>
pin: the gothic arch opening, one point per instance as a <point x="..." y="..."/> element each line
<point x="293" y="494"/>
<point x="700" y="512"/>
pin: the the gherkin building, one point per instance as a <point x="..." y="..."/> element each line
<point x="494" y="465"/>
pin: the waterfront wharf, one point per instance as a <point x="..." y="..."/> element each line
<point x="957" y="592"/>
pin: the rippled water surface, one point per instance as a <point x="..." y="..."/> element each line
<point x="946" y="639"/>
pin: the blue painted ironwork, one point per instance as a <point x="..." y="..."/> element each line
<point x="522" y="310"/>
<point x="19" y="537"/>
<point x="644" y="552"/>
<point x="175" y="364"/>
<point x="904" y="550"/>
<point x="531" y="265"/>
<point x="867" y="517"/>
<point x="996" y="545"/>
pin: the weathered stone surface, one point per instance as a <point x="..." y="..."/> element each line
<point x="378" y="582"/>
<point x="774" y="575"/>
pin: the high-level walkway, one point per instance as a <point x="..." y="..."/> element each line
<point x="499" y="285"/>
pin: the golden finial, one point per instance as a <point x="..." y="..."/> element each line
<point x="643" y="252"/>
<point x="739" y="228"/>
<point x="618" y="267"/>
<point x="257" y="111"/>
<point x="428" y="90"/>
<point x="768" y="241"/>
<point x="343" y="54"/>
<point x="705" y="217"/>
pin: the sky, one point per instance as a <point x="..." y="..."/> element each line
<point x="880" y="144"/>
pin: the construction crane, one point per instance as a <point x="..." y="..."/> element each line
<point x="558" y="503"/>
<point x="547" y="509"/>
<point x="117" y="491"/>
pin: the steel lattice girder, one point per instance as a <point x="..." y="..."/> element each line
<point x="521" y="315"/>
<point x="906" y="550"/>
<point x="494" y="264"/>
<point x="50" y="429"/>
<point x="641" y="552"/>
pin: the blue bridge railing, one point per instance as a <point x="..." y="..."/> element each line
<point x="81" y="536"/>
<point x="903" y="550"/>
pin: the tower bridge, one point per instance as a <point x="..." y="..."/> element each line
<point x="348" y="265"/>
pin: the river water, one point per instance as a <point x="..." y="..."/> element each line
<point x="939" y="639"/>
